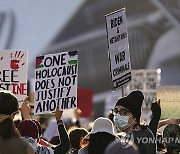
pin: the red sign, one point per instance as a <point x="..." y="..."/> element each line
<point x="85" y="102"/>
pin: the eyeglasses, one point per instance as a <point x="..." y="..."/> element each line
<point x="122" y="112"/>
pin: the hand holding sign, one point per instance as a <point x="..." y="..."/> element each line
<point x="58" y="114"/>
<point x="26" y="109"/>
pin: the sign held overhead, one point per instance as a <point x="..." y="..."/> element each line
<point x="146" y="81"/>
<point x="119" y="57"/>
<point x="13" y="72"/>
<point x="56" y="82"/>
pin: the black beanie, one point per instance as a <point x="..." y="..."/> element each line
<point x="133" y="103"/>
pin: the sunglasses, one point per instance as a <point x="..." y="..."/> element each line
<point x="122" y="112"/>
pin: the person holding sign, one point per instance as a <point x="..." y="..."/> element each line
<point x="127" y="113"/>
<point x="26" y="127"/>
<point x="10" y="140"/>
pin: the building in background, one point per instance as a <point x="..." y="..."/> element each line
<point x="50" y="27"/>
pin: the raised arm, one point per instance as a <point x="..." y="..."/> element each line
<point x="168" y="121"/>
<point x="26" y="110"/>
<point x="156" y="114"/>
<point x="64" y="145"/>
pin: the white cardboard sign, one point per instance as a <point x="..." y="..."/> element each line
<point x="56" y="82"/>
<point x="13" y="72"/>
<point x="118" y="44"/>
<point x="147" y="81"/>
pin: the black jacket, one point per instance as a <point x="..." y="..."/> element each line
<point x="64" y="146"/>
<point x="145" y="140"/>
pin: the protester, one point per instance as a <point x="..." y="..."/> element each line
<point x="10" y="140"/>
<point x="101" y="135"/>
<point x="76" y="136"/>
<point x="29" y="130"/>
<point x="161" y="146"/>
<point x="127" y="113"/>
<point x="171" y="138"/>
<point x="26" y="127"/>
<point x="41" y="140"/>
<point x="116" y="147"/>
<point x="25" y="112"/>
<point x="156" y="114"/>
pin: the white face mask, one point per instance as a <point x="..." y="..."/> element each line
<point x="121" y="121"/>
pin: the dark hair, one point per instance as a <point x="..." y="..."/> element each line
<point x="8" y="105"/>
<point x="75" y="135"/>
<point x="98" y="142"/>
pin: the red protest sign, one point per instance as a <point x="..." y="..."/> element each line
<point x="85" y="102"/>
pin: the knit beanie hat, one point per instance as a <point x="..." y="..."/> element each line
<point x="133" y="103"/>
<point x="28" y="128"/>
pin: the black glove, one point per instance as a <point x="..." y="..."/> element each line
<point x="156" y="109"/>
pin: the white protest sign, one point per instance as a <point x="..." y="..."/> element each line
<point x="56" y="82"/>
<point x="170" y="101"/>
<point x="118" y="44"/>
<point x="147" y="81"/>
<point x="13" y="72"/>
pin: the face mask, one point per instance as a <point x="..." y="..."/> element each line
<point x="121" y="122"/>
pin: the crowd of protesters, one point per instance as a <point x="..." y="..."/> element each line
<point x="122" y="132"/>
